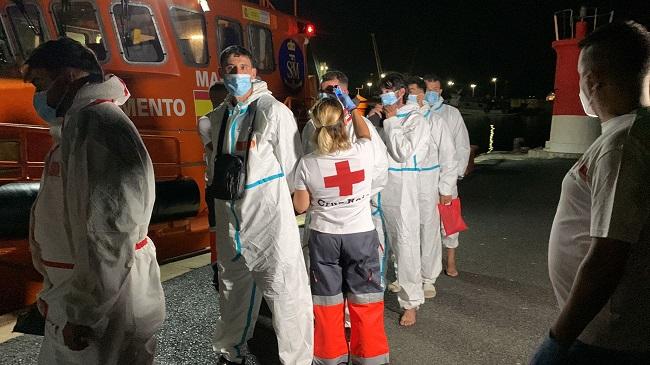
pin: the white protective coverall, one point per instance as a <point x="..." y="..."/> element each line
<point x="406" y="136"/>
<point x="442" y="181"/>
<point x="379" y="179"/>
<point x="88" y="234"/>
<point x="458" y="129"/>
<point x="257" y="236"/>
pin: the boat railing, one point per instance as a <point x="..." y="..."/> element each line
<point x="564" y="21"/>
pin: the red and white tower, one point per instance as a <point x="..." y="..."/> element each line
<point x="571" y="130"/>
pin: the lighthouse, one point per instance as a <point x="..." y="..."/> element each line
<point x="571" y="130"/>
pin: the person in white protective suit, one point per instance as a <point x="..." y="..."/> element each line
<point x="406" y="134"/>
<point x="258" y="242"/>
<point x="329" y="81"/>
<point x="437" y="186"/>
<point x="101" y="298"/>
<point x="456" y="125"/>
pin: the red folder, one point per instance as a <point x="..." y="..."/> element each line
<point x="451" y="218"/>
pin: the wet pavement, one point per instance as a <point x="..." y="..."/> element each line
<point x="495" y="312"/>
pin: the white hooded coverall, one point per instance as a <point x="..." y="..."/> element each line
<point x="406" y="136"/>
<point x="456" y="126"/>
<point x="379" y="179"/>
<point x="258" y="242"/>
<point x="88" y="234"/>
<point x="442" y="181"/>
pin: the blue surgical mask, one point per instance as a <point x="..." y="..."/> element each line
<point x="388" y="98"/>
<point x="412" y="99"/>
<point x="238" y="84"/>
<point x="431" y="97"/>
<point x="48" y="114"/>
<point x="44" y="111"/>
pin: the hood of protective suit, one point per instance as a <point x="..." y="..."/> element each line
<point x="113" y="89"/>
<point x="259" y="89"/>
<point x="407" y="108"/>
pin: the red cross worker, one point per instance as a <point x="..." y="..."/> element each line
<point x="333" y="184"/>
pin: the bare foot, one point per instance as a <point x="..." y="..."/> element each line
<point x="408" y="318"/>
<point x="451" y="273"/>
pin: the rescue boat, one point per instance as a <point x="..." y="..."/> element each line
<point x="166" y="51"/>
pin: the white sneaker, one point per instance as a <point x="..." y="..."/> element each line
<point x="394" y="287"/>
<point x="429" y="290"/>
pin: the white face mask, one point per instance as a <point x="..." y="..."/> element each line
<point x="586" y="104"/>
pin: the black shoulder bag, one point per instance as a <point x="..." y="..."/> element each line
<point x="229" y="177"/>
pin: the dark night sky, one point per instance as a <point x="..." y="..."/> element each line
<point x="463" y="40"/>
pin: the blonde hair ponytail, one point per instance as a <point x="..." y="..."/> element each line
<point x="331" y="135"/>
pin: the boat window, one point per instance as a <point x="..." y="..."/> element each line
<point x="6" y="57"/>
<point x="27" y="27"/>
<point x="191" y="34"/>
<point x="9" y="150"/>
<point x="82" y="25"/>
<point x="261" y="43"/>
<point x="228" y="34"/>
<point x="139" y="36"/>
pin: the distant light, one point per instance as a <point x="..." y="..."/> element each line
<point x="369" y="84"/>
<point x="494" y="79"/>
<point x="450" y="83"/>
<point x="491" y="141"/>
<point x="196" y="37"/>
<point x="383" y="75"/>
<point x="550" y="97"/>
<point x="309" y="30"/>
<point x="472" y="86"/>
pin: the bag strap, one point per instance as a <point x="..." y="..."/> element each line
<point x="251" y="129"/>
<point x="222" y="130"/>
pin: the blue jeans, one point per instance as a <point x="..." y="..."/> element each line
<point x="582" y="354"/>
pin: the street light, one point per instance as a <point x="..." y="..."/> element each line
<point x="494" y="80"/>
<point x="473" y="86"/>
<point x="369" y="84"/>
<point x="383" y="75"/>
<point x="450" y="83"/>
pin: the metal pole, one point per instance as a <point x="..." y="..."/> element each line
<point x="377" y="60"/>
<point x="473" y="91"/>
<point x="295" y="8"/>
<point x="495" y="89"/>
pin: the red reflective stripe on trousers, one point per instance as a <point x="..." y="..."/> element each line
<point x="329" y="331"/>
<point x="68" y="266"/>
<point x="368" y="336"/>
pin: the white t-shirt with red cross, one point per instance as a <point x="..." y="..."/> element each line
<point x="605" y="195"/>
<point x="339" y="185"/>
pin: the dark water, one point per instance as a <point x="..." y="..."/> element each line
<point x="534" y="127"/>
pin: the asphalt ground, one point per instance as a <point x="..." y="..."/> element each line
<point x="495" y="312"/>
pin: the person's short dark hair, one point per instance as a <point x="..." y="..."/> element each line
<point x="235" y="50"/>
<point x="431" y="77"/>
<point x="621" y="50"/>
<point x="417" y="80"/>
<point x="393" y="80"/>
<point x="65" y="52"/>
<point x="335" y="75"/>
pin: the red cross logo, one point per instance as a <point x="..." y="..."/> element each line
<point x="344" y="178"/>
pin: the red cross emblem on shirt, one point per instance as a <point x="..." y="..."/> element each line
<point x="344" y="178"/>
